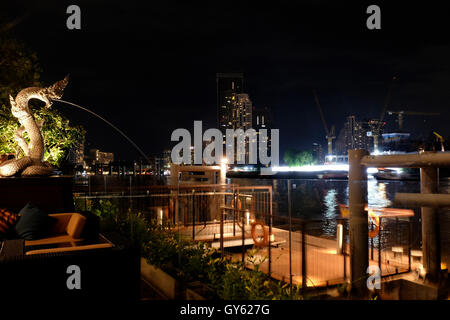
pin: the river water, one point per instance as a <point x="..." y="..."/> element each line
<point x="319" y="198"/>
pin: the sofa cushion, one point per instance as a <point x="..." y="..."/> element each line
<point x="7" y="221"/>
<point x="75" y="225"/>
<point x="33" y="223"/>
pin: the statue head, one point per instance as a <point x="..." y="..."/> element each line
<point x="56" y="90"/>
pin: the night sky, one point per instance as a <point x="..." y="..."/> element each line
<point x="149" y="66"/>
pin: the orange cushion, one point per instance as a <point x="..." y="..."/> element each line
<point x="75" y="225"/>
<point x="59" y="228"/>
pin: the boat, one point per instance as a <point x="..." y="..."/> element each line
<point x="397" y="174"/>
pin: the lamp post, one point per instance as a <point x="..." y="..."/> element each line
<point x="223" y="171"/>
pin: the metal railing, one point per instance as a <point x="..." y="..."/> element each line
<point x="428" y="162"/>
<point x="236" y="219"/>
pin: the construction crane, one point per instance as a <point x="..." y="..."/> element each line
<point x="375" y="125"/>
<point x="401" y="115"/>
<point x="330" y="134"/>
<point x="441" y="139"/>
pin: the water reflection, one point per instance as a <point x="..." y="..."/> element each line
<point x="330" y="201"/>
<point x="377" y="195"/>
<point x="319" y="199"/>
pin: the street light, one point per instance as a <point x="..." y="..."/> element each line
<point x="223" y="170"/>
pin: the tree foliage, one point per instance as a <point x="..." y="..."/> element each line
<point x="296" y="158"/>
<point x="19" y="68"/>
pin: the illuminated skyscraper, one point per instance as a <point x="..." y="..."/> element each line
<point x="242" y="112"/>
<point x="228" y="86"/>
<point x="355" y="134"/>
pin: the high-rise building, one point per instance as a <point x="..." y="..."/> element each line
<point x="317" y="152"/>
<point x="375" y="132"/>
<point x="354" y="135"/>
<point x="242" y="119"/>
<point x="242" y="112"/>
<point x="340" y="145"/>
<point x="228" y="86"/>
<point x="262" y="118"/>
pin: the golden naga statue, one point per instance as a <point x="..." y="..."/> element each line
<point x="31" y="164"/>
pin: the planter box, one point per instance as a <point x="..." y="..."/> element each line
<point x="193" y="291"/>
<point x="402" y="289"/>
<point x="168" y="285"/>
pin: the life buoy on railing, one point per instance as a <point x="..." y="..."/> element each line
<point x="376" y="220"/>
<point x="257" y="239"/>
<point x="345" y="212"/>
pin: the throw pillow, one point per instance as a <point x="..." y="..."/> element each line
<point x="7" y="221"/>
<point x="34" y="223"/>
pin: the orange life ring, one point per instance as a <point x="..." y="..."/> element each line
<point x="258" y="242"/>
<point x="239" y="205"/>
<point x="376" y="220"/>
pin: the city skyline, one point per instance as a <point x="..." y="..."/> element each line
<point x="140" y="63"/>
<point x="231" y="152"/>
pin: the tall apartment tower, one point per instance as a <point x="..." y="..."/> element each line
<point x="242" y="112"/>
<point x="228" y="86"/>
<point x="356" y="134"/>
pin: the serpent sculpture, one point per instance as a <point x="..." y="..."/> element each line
<point x="31" y="164"/>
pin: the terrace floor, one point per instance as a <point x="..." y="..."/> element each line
<point x="323" y="266"/>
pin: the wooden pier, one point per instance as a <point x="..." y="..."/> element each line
<point x="324" y="266"/>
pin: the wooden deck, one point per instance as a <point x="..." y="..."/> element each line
<point x="323" y="265"/>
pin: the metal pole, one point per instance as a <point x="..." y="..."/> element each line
<point x="371" y="243"/>
<point x="131" y="200"/>
<point x="344" y="249"/>
<point x="243" y="236"/>
<point x="242" y="230"/>
<point x="409" y="243"/>
<point x="222" y="211"/>
<point x="290" y="237"/>
<point x="304" y="283"/>
<point x="429" y="180"/>
<point x="359" y="255"/>
<point x="270" y="230"/>
<point x="379" y="246"/>
<point x="235" y="206"/>
<point x="193" y="216"/>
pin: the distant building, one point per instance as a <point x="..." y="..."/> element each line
<point x="375" y="131"/>
<point x="242" y="112"/>
<point x="241" y="119"/>
<point x="340" y="145"/>
<point x="398" y="142"/>
<point x="162" y="164"/>
<point x="355" y="135"/>
<point x="317" y="152"/>
<point x="75" y="155"/>
<point x="228" y="86"/>
<point x="98" y="157"/>
<point x="262" y="118"/>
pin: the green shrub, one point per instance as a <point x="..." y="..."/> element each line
<point x="193" y="262"/>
